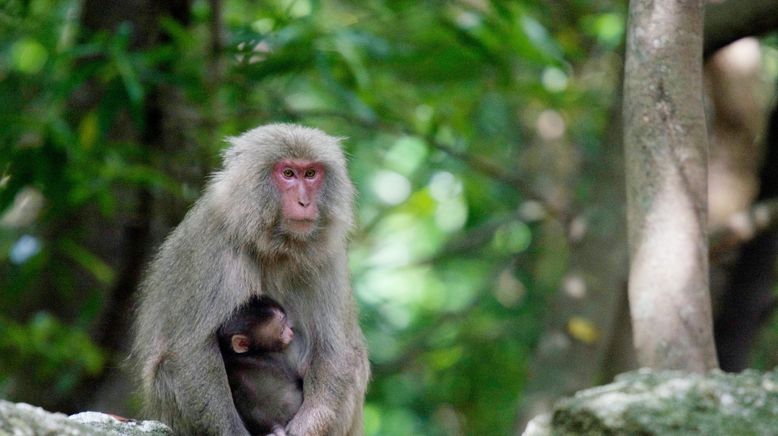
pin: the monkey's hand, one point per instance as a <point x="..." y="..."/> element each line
<point x="278" y="431"/>
<point x="311" y="421"/>
<point x="333" y="383"/>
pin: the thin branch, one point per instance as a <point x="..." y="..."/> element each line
<point x="477" y="163"/>
<point x="416" y="345"/>
<point x="494" y="171"/>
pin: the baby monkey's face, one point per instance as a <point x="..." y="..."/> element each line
<point x="280" y="329"/>
<point x="274" y="334"/>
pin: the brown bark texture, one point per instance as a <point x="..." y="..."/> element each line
<point x="666" y="144"/>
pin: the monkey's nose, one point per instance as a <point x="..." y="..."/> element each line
<point x="303" y="203"/>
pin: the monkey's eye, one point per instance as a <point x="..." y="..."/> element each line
<point x="310" y="173"/>
<point x="288" y="173"/>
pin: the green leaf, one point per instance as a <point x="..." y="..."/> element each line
<point x="28" y="56"/>
<point x="89" y="261"/>
<point x="88" y="130"/>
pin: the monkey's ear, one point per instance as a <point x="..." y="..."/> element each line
<point x="240" y="343"/>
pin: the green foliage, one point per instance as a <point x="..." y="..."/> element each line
<point x="457" y="114"/>
<point x="47" y="351"/>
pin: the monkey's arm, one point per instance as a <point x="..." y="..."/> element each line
<point x="334" y="389"/>
<point x="185" y="383"/>
<point x="190" y="392"/>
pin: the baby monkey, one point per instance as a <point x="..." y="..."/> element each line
<point x="266" y="390"/>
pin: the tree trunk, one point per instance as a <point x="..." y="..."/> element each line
<point x="133" y="229"/>
<point x="666" y="167"/>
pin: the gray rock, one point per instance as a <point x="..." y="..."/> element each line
<point x="539" y="426"/>
<point x="649" y="403"/>
<point x="20" y="419"/>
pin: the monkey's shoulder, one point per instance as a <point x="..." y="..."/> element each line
<point x="197" y="255"/>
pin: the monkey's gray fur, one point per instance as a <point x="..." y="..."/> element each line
<point x="228" y="248"/>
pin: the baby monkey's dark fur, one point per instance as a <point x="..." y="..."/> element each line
<point x="265" y="387"/>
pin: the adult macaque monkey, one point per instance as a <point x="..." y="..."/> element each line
<point x="273" y="222"/>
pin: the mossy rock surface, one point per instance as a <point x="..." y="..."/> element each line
<point x="20" y="419"/>
<point x="648" y="402"/>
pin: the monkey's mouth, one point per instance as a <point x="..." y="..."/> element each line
<point x="300" y="226"/>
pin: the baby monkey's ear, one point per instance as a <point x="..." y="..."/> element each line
<point x="240" y="343"/>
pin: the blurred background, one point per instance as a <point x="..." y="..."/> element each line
<point x="484" y="139"/>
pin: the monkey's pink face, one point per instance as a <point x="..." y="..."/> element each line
<point x="299" y="183"/>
